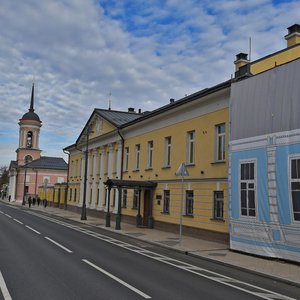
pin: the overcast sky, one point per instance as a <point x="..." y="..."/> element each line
<point x="143" y="53"/>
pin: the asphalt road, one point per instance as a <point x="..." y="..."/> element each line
<point x="42" y="257"/>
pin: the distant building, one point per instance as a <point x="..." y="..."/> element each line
<point x="31" y="170"/>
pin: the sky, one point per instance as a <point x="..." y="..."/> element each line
<point x="83" y="54"/>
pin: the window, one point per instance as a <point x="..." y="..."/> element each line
<point x="135" y="199"/>
<point x="218" y="205"/>
<point x="295" y="186"/>
<point x="247" y="189"/>
<point x="189" y="203"/>
<point x="166" y="208"/>
<point x="191" y="147"/>
<point x="70" y="195"/>
<point x="150" y="154"/>
<point x="167" y="161"/>
<point x="220" y="142"/>
<point x="29" y="140"/>
<point x="98" y="194"/>
<point x="126" y="158"/>
<point x="28" y="159"/>
<point x="137" y="156"/>
<point x="75" y="195"/>
<point x="60" y="179"/>
<point x="124" y="199"/>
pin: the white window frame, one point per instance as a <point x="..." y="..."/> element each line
<point x="126" y="154"/>
<point x="150" y="155"/>
<point x="248" y="188"/>
<point x="189" y="200"/>
<point x="137" y="156"/>
<point x="220" y="143"/>
<point x="218" y="199"/>
<point x="190" y="157"/>
<point x="166" y="202"/>
<point x="291" y="180"/>
<point x="168" y="149"/>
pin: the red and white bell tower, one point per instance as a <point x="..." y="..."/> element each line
<point x="29" y="132"/>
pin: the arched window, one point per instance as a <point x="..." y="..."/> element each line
<point x="28" y="159"/>
<point x="29" y="139"/>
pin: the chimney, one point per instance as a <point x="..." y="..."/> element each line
<point x="241" y="60"/>
<point x="293" y="36"/>
<point x="131" y="109"/>
<point x="172" y="100"/>
<point x="140" y="111"/>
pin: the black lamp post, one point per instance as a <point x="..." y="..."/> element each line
<point x="83" y="210"/>
<point x="107" y="217"/>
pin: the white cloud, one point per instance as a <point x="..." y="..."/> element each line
<point x="144" y="53"/>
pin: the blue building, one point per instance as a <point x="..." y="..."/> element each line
<point x="264" y="163"/>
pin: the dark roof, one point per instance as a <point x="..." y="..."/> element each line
<point x="181" y="101"/>
<point x="13" y="164"/>
<point x="31" y="116"/>
<point x="117" y="118"/>
<point x="133" y="184"/>
<point x="46" y="162"/>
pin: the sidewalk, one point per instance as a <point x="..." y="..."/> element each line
<point x="205" y="249"/>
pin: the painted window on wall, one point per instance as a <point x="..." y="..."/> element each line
<point x="247" y="188"/>
<point x="218" y="212"/>
<point x="295" y="186"/>
<point x="166" y="207"/>
<point x="220" y="142"/>
<point x="189" y="203"/>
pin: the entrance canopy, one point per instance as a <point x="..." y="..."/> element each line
<point x="130" y="184"/>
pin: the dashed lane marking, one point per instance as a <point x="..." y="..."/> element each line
<point x="117" y="279"/>
<point x="222" y="279"/>
<point x="58" y="244"/>
<point x="3" y="288"/>
<point x="32" y="229"/>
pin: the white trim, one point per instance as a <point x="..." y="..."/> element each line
<point x="290" y="158"/>
<point x="244" y="161"/>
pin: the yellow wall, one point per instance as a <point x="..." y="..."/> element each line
<point x="277" y="59"/>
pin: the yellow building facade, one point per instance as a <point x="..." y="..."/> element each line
<point x="139" y="154"/>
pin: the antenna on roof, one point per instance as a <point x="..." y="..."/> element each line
<point x="109" y="101"/>
<point x="249" y="48"/>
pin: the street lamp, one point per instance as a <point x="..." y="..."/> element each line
<point x="83" y="210"/>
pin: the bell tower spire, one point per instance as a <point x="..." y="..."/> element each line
<point x="29" y="132"/>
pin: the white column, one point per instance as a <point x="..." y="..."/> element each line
<point x="101" y="179"/>
<point x="94" y="185"/>
<point x="81" y="182"/>
<point x="34" y="145"/>
<point x="118" y="170"/>
<point x="88" y="186"/>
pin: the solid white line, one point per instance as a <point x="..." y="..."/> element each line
<point x="18" y="221"/>
<point x="57" y="244"/>
<point x="8" y="215"/>
<point x="118" y="280"/>
<point x="32" y="229"/>
<point x="4" y="289"/>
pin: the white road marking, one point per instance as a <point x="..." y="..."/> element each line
<point x="59" y="245"/>
<point x="8" y="215"/>
<point x="4" y="289"/>
<point x="118" y="279"/>
<point x="32" y="229"/>
<point x="222" y="279"/>
<point x="18" y="221"/>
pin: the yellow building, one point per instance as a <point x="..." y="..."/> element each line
<point x="133" y="159"/>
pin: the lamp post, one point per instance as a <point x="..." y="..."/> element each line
<point x="182" y="171"/>
<point x="83" y="210"/>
